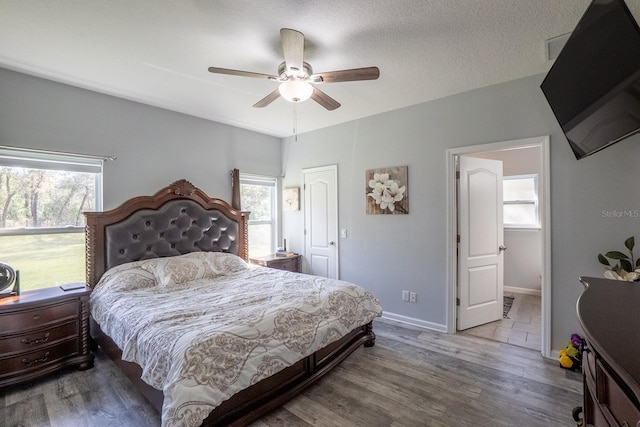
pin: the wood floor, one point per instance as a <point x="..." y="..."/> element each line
<point x="411" y="377"/>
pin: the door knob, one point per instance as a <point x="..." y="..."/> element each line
<point x="332" y="243"/>
<point x="502" y="248"/>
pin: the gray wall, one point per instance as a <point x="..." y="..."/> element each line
<point x="154" y="146"/>
<point x="388" y="253"/>
<point x="523" y="259"/>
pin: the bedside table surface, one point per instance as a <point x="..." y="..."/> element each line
<point x="272" y="257"/>
<point x="36" y="296"/>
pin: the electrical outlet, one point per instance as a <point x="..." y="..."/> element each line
<point x="405" y="295"/>
<point x="412" y="297"/>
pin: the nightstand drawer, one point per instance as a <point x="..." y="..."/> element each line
<point x="36" y="339"/>
<point x="29" y="319"/>
<point x="19" y="363"/>
<point x="288" y="264"/>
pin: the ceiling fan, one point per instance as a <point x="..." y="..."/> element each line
<point x="296" y="76"/>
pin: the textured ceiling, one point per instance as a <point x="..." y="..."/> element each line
<point x="157" y="51"/>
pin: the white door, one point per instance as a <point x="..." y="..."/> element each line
<point x="481" y="245"/>
<point x="321" y="221"/>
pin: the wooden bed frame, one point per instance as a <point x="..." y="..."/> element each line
<point x="181" y="218"/>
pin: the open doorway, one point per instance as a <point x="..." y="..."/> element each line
<point x="521" y="324"/>
<point x="526" y="260"/>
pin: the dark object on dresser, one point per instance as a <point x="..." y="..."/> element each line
<point x="8" y="277"/>
<point x="608" y="314"/>
<point x="123" y="235"/>
<point x="289" y="263"/>
<point x="42" y="331"/>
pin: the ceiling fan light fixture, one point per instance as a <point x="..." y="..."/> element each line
<point x="296" y="76"/>
<point x="295" y="90"/>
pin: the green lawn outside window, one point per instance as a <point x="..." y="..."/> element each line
<point x="45" y="260"/>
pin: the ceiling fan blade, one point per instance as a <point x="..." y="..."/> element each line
<point x="293" y="47"/>
<point x="366" y="73"/>
<point x="325" y="100"/>
<point x="267" y="99"/>
<point x="229" y="72"/>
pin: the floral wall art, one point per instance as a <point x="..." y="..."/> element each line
<point x="291" y="199"/>
<point x="387" y="190"/>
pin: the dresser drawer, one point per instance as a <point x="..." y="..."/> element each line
<point x="11" y="323"/>
<point x="589" y="369"/>
<point x="589" y="362"/>
<point x="33" y="360"/>
<point x="613" y="399"/>
<point x="593" y="415"/>
<point x="37" y="339"/>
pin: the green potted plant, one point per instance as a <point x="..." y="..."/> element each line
<point x="627" y="268"/>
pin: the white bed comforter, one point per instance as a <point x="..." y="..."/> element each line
<point x="206" y="326"/>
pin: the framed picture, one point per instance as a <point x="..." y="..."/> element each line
<point x="291" y="199"/>
<point x="387" y="190"/>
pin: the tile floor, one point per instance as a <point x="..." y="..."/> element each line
<point x="522" y="328"/>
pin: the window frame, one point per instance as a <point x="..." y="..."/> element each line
<point x="49" y="160"/>
<point x="534" y="201"/>
<point x="267" y="181"/>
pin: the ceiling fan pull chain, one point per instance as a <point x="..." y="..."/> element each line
<point x="295" y="121"/>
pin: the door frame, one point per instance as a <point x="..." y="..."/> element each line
<point x="545" y="224"/>
<point x="330" y="168"/>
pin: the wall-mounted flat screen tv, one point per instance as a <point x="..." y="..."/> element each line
<point x="593" y="87"/>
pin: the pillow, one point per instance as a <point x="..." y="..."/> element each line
<point x="126" y="277"/>
<point x="225" y="263"/>
<point x="179" y="269"/>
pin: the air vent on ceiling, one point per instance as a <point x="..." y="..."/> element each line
<point x="554" y="45"/>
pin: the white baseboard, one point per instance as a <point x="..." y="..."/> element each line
<point x="525" y="291"/>
<point x="414" y="322"/>
<point x="555" y="355"/>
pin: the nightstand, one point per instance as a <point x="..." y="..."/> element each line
<point x="42" y="331"/>
<point x="291" y="263"/>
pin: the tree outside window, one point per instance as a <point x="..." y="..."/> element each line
<point x="36" y="198"/>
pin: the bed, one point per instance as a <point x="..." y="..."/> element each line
<point x="168" y="271"/>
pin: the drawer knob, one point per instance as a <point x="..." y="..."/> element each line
<point x="37" y="340"/>
<point x="30" y="363"/>
<point x="36" y="317"/>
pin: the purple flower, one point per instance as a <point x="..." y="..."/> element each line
<point x="576" y="340"/>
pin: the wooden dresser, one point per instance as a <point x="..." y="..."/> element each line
<point x="291" y="263"/>
<point x="609" y="313"/>
<point x="42" y="331"/>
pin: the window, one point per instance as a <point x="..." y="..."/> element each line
<point x="520" y="197"/>
<point x="42" y="197"/>
<point x="258" y="195"/>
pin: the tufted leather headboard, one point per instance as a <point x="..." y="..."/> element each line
<point x="176" y="220"/>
